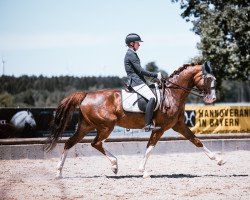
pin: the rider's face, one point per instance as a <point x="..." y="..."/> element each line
<point x="136" y="46"/>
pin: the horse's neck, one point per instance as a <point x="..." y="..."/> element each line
<point x="185" y="80"/>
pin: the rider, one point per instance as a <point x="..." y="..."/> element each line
<point x="135" y="75"/>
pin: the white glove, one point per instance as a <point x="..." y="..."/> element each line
<point x="159" y="76"/>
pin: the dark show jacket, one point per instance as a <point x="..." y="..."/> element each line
<point x="135" y="73"/>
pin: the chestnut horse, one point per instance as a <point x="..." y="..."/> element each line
<point x="102" y="110"/>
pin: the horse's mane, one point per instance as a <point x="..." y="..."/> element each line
<point x="178" y="71"/>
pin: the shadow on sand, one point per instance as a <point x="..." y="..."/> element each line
<point x="178" y="176"/>
<point x="175" y="176"/>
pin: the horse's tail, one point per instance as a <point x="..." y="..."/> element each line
<point x="63" y="115"/>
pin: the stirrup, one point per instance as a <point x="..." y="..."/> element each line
<point x="151" y="127"/>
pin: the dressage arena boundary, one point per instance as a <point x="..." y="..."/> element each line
<point x="33" y="148"/>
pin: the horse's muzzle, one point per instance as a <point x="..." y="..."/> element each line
<point x="210" y="98"/>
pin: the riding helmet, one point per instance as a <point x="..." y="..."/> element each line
<point x="132" y="37"/>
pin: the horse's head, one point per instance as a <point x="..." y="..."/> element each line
<point x="20" y="119"/>
<point x="205" y="82"/>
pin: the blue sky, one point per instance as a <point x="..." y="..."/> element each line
<point x="86" y="38"/>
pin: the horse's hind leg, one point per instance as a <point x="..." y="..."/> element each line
<point x="98" y="144"/>
<point x="187" y="133"/>
<point x="61" y="163"/>
<point x="81" y="130"/>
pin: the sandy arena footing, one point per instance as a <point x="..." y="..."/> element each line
<point x="173" y="176"/>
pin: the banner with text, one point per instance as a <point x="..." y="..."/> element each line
<point x="218" y="119"/>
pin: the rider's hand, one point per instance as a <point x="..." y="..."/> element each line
<point x="159" y="76"/>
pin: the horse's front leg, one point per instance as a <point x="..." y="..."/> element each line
<point x="213" y="156"/>
<point x="155" y="136"/>
<point x="187" y="133"/>
<point x="144" y="161"/>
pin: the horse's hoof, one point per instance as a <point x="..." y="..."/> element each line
<point x="146" y="175"/>
<point x="221" y="162"/>
<point x="58" y="176"/>
<point x="115" y="169"/>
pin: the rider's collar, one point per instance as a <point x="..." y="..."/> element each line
<point x="132" y="49"/>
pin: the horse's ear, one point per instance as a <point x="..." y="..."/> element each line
<point x="29" y="113"/>
<point x="206" y="68"/>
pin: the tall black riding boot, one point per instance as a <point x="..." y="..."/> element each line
<point x="149" y="115"/>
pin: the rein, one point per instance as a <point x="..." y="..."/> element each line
<point x="190" y="90"/>
<point x="164" y="96"/>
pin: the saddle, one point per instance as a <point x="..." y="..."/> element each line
<point x="134" y="102"/>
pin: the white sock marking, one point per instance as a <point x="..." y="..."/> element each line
<point x="145" y="158"/>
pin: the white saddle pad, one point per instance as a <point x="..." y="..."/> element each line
<point x="129" y="99"/>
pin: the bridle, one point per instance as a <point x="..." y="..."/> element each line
<point x="194" y="91"/>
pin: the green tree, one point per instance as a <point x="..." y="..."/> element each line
<point x="224" y="28"/>
<point x="6" y="100"/>
<point x="24" y="98"/>
<point x="152" y="67"/>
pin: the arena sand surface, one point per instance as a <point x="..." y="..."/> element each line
<point x="174" y="176"/>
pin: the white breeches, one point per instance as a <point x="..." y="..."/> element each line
<point x="145" y="91"/>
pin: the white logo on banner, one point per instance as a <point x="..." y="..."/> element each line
<point x="188" y="118"/>
<point x="2" y="122"/>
